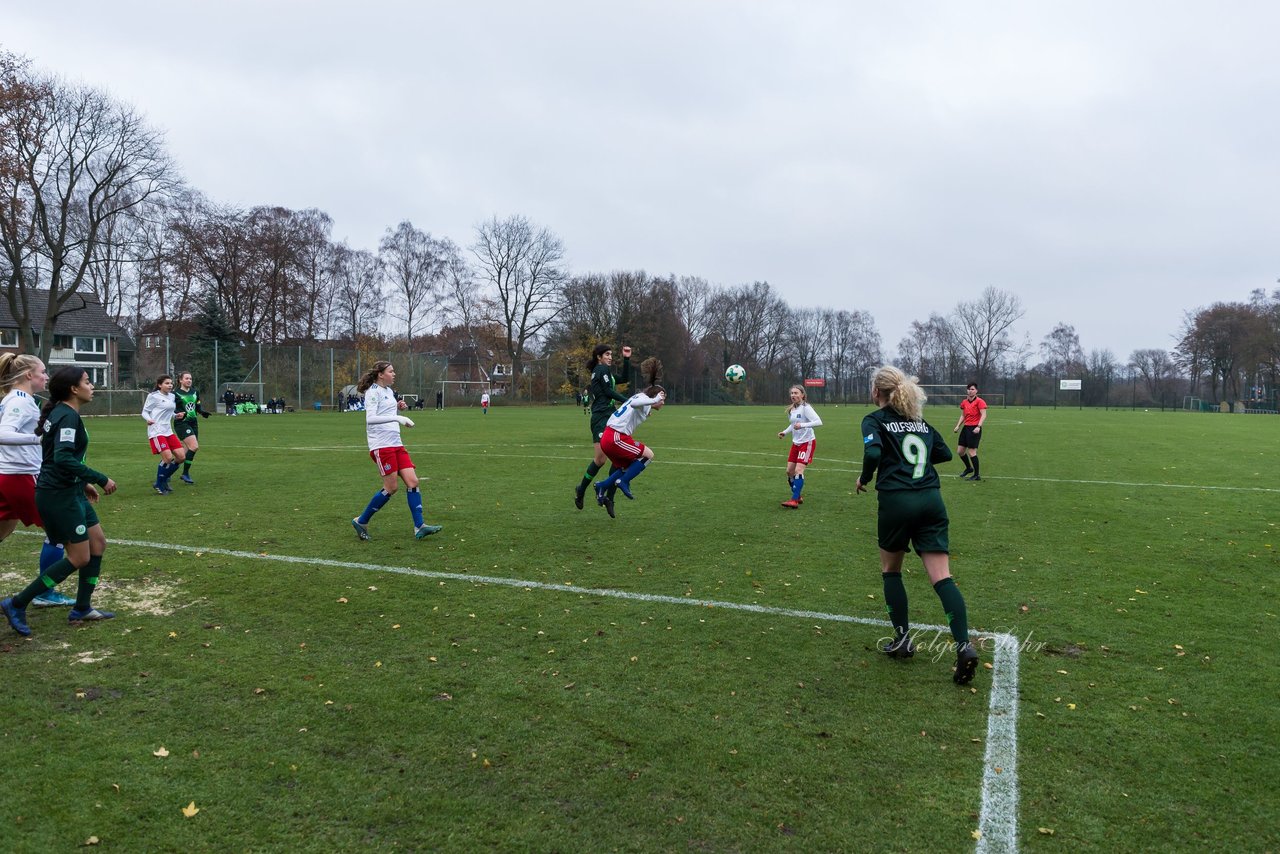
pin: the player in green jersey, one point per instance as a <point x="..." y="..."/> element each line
<point x="186" y="422"/>
<point x="603" y="392"/>
<point x="65" y="495"/>
<point x="899" y="444"/>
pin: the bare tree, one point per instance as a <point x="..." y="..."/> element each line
<point x="983" y="328"/>
<point x="462" y="302"/>
<point x="359" y="292"/>
<point x="525" y="266"/>
<point x="76" y="161"/>
<point x="1061" y="350"/>
<point x="1155" y="368"/>
<point x="416" y="266"/>
<point x="316" y="274"/>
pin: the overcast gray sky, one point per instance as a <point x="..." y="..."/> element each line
<point x="1114" y="164"/>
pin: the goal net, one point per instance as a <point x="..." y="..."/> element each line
<point x="459" y="393"/>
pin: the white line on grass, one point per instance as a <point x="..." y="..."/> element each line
<point x="998" y="815"/>
<point x="832" y="468"/>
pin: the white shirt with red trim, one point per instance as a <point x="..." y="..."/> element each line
<point x="19" y="445"/>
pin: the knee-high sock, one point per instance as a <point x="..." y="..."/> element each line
<point x="797" y="484"/>
<point x="376" y="503"/>
<point x="49" y="579"/>
<point x="414" y="497"/>
<point x="953" y="606"/>
<point x="88" y="581"/>
<point x="968" y="466"/>
<point x="50" y="554"/>
<point x="975" y="465"/>
<point x="632" y="472"/>
<point x="186" y="465"/>
<point x="592" y="470"/>
<point x="160" y="470"/>
<point x="895" y="601"/>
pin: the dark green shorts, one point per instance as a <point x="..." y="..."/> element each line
<point x="184" y="428"/>
<point x="913" y="516"/>
<point x="66" y="513"/>
<point x="598" y="423"/>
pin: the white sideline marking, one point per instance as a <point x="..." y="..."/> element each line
<point x="998" y="815"/>
<point x="825" y="467"/>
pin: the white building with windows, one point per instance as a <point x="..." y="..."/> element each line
<point x="83" y="336"/>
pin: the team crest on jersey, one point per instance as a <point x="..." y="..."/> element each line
<point x="67" y="434"/>
<point x="80" y="529"/>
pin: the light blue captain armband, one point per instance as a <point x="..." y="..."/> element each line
<point x="866" y="440"/>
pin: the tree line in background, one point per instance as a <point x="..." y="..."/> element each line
<point x="93" y="205"/>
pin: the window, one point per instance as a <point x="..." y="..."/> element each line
<point x="62" y="342"/>
<point x="91" y="345"/>
<point x="97" y="376"/>
<point x="8" y="338"/>
<point x="151" y="342"/>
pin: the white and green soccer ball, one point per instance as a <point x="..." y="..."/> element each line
<point x="735" y="373"/>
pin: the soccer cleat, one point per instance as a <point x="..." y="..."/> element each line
<point x="975" y="479"/>
<point x="166" y="487"/>
<point x="186" y="478"/>
<point x="966" y="664"/>
<point x="17" y="617"/>
<point x="600" y="494"/>
<point x="158" y="488"/>
<point x="791" y="504"/>
<point x="626" y="490"/>
<point x="52" y="599"/>
<point x="91" y="615"/>
<point x="608" y="504"/>
<point x="800" y="500"/>
<point x="966" y="475"/>
<point x="362" y="531"/>
<point x="901" y="647"/>
<point x="579" y="492"/>
<point x="425" y="530"/>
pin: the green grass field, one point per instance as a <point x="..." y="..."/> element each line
<point x="315" y="692"/>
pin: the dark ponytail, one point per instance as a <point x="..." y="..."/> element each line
<point x="60" y="386"/>
<point x="370" y="376"/>
<point x="598" y="351"/>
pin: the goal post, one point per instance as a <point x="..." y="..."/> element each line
<point x="460" y="392"/>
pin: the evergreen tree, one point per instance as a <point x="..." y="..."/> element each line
<point x="214" y="328"/>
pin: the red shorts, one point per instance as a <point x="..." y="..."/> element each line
<point x="802" y="454"/>
<point x="620" y="448"/>
<point x="160" y="444"/>
<point x="18" y="498"/>
<point x="391" y="460"/>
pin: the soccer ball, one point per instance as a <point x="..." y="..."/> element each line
<point x="735" y="373"/>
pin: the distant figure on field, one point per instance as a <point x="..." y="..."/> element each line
<point x="973" y="411"/>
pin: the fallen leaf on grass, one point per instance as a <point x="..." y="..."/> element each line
<point x="190" y="810"/>
<point x="162" y="753"/>
<point x="988" y="665"/>
<point x="342" y="600"/>
<point x="1047" y="831"/>
<point x="92" y="840"/>
<point x="976" y="834"/>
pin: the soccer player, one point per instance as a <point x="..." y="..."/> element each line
<point x="21" y="376"/>
<point x="158" y="411"/>
<point x="65" y="495"/>
<point x="628" y="456"/>
<point x="603" y="392"/>
<point x="973" y="412"/>
<point x="801" y="419"/>
<point x="899" y="444"/>
<point x="484" y="403"/>
<point x="382" y="426"/>
<point x="186" y="422"/>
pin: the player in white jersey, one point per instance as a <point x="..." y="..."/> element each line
<point x="21" y="376"/>
<point x="801" y="420"/>
<point x="157" y="411"/>
<point x="628" y="456"/>
<point x="383" y="421"/>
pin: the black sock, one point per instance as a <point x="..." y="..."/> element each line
<point x="592" y="471"/>
<point x="975" y="466"/>
<point x="88" y="581"/>
<point x="895" y="601"/>
<point x="953" y="607"/>
<point x="967" y="466"/>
